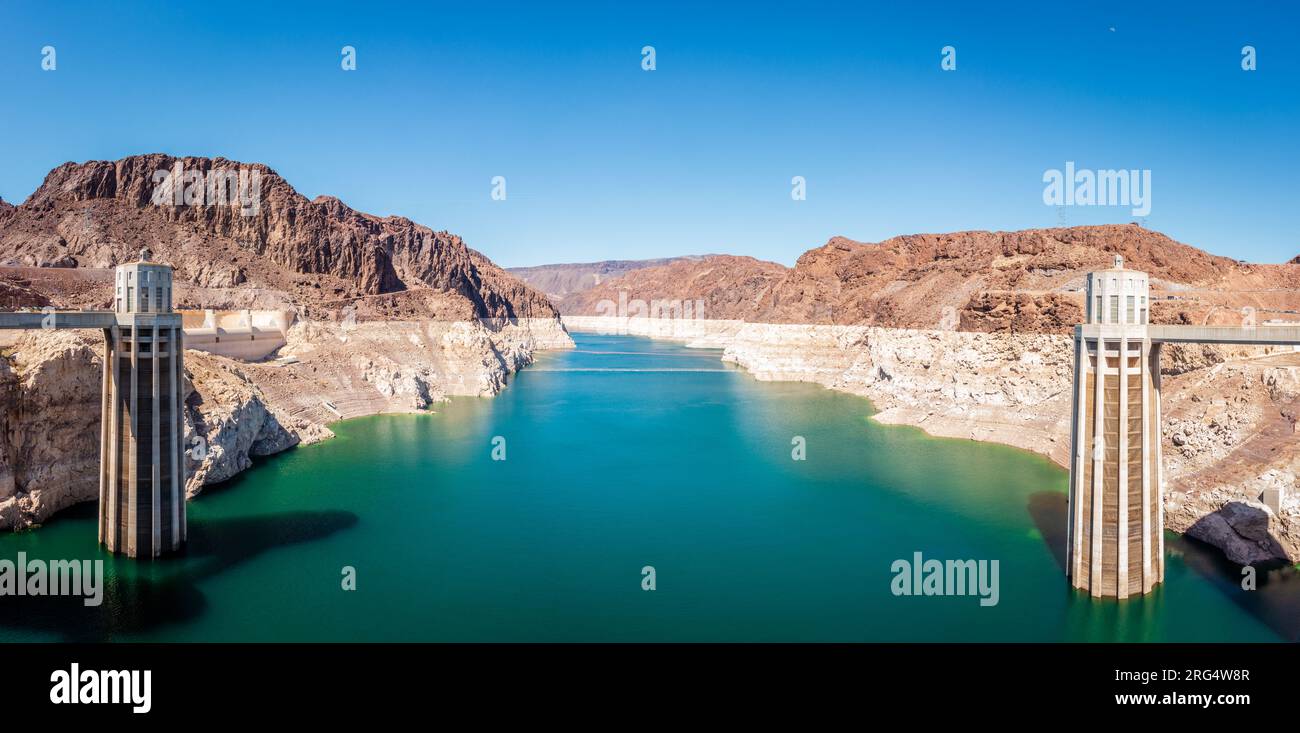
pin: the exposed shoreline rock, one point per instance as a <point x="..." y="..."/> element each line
<point x="392" y="316"/>
<point x="50" y="392"/>
<point x="50" y="404"/>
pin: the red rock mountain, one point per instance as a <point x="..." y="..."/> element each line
<point x="17" y="292"/>
<point x="100" y="213"/>
<point x="727" y="286"/>
<point x="559" y="281"/>
<point x="1023" y="281"/>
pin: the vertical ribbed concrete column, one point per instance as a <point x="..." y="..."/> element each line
<point x="1148" y="421"/>
<point x="142" y="474"/>
<point x="176" y="379"/>
<point x="155" y="448"/>
<point x="1079" y="401"/>
<point x="1098" y="488"/>
<point x="109" y="510"/>
<point x="1116" y="520"/>
<point x="1121" y="479"/>
<point x="180" y="432"/>
<point x="105" y="412"/>
<point x="131" y="482"/>
<point x="1158" y="459"/>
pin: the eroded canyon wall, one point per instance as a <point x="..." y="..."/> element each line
<point x="50" y="397"/>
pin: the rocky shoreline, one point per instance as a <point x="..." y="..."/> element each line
<point x="50" y="397"/>
<point x="389" y="316"/>
<point x="1015" y="389"/>
<point x="1220" y="454"/>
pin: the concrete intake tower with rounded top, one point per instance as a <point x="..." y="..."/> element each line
<point x="1115" y="538"/>
<point x="142" y="470"/>
<point x="1116" y="532"/>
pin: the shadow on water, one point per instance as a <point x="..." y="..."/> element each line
<point x="1048" y="509"/>
<point x="142" y="595"/>
<point x="1275" y="600"/>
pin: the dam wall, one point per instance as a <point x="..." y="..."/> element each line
<point x="246" y="335"/>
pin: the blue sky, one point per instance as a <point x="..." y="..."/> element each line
<point x="604" y="160"/>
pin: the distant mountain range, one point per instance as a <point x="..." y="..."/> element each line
<point x="559" y="281"/>
<point x="322" y="254"/>
<point x="1023" y="281"/>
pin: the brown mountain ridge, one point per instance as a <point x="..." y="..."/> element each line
<point x="1026" y="281"/>
<point x="290" y="250"/>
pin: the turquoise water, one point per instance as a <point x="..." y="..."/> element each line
<point x="645" y="453"/>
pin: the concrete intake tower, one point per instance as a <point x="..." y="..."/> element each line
<point x="1115" y="538"/>
<point x="141" y="452"/>
<point x="142" y="469"/>
<point x="1116" y="531"/>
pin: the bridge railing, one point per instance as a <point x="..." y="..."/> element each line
<point x="37" y="320"/>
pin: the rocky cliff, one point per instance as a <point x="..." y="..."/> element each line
<point x="50" y="397"/>
<point x="714" y="286"/>
<point x="391" y="316"/>
<point x="998" y="282"/>
<point x="49" y="425"/>
<point x="563" y="280"/>
<point x="236" y="422"/>
<point x="262" y="235"/>
<point x="1230" y="432"/>
<point x="967" y="335"/>
<point x="1006" y="388"/>
<point x="16" y="293"/>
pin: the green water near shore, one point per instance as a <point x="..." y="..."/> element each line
<point x="642" y="453"/>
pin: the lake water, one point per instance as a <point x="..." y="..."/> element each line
<point x="622" y="454"/>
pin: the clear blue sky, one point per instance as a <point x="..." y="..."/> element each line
<point x="604" y="160"/>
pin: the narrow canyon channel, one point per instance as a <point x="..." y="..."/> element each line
<point x="622" y="454"/>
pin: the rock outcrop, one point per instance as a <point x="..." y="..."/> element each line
<point x="231" y="418"/>
<point x="999" y="282"/>
<point x="562" y="280"/>
<point x="1012" y="389"/>
<point x="1230" y="436"/>
<point x="49" y="425"/>
<point x="698" y="333"/>
<point x="50" y="409"/>
<point x="968" y="335"/>
<point x="16" y="293"/>
<point x="376" y="367"/>
<point x="391" y="317"/>
<point x="715" y="286"/>
<point x="50" y="393"/>
<point x="101" y="213"/>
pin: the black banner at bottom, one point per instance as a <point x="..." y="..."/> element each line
<point x="211" y="682"/>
